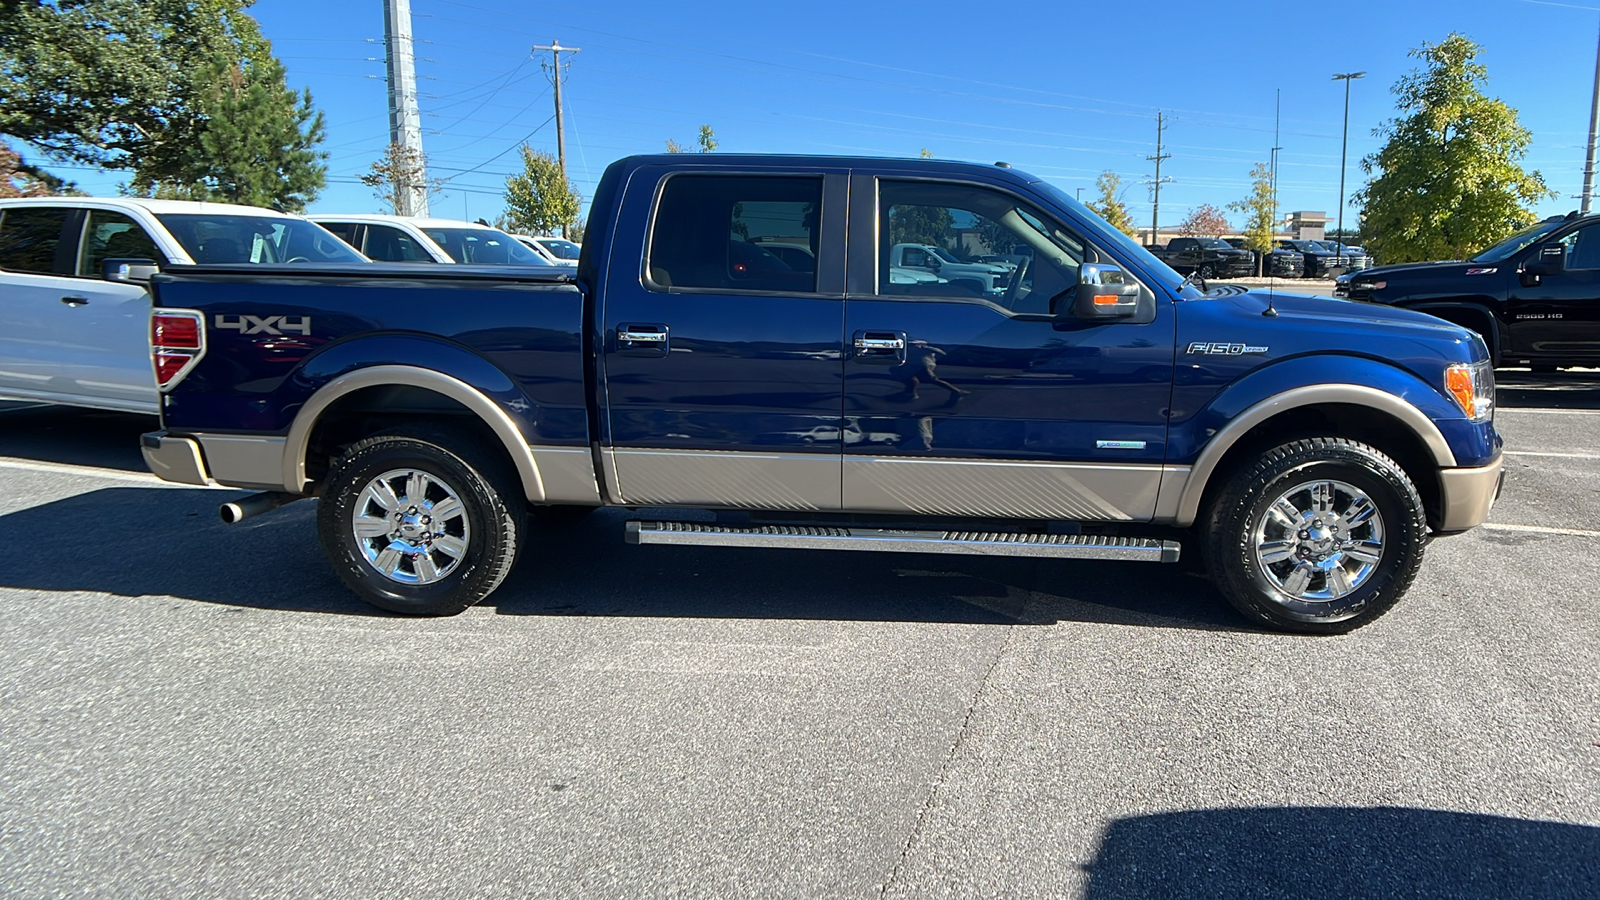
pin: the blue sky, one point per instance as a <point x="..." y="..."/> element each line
<point x="1062" y="90"/>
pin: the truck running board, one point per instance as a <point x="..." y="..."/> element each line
<point x="974" y="543"/>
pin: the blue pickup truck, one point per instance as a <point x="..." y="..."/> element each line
<point x="1098" y="407"/>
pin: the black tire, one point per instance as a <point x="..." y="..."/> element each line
<point x="1238" y="520"/>
<point x="489" y="523"/>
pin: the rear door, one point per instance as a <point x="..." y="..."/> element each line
<point x="42" y="352"/>
<point x="966" y="403"/>
<point x="111" y="323"/>
<point x="722" y="362"/>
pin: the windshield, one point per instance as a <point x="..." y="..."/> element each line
<point x="484" y="246"/>
<point x="944" y="255"/>
<point x="559" y="248"/>
<point x="1124" y="245"/>
<point x="1215" y="244"/>
<point x="1511" y="245"/>
<point x="230" y="238"/>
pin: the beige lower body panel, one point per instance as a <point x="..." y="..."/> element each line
<point x="244" y="461"/>
<point x="1467" y="495"/>
<point x="567" y="474"/>
<point x="1081" y="492"/>
<point x="738" y="480"/>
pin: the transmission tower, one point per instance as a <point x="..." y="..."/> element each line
<point x="405" y="120"/>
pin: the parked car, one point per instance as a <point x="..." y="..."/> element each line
<point x="1356" y="257"/>
<point x="74" y="309"/>
<point x="1281" y="263"/>
<point x="532" y="243"/>
<point x="1095" y="404"/>
<point x="1207" y="258"/>
<point x="405" y="239"/>
<point x="560" y="249"/>
<point x="1534" y="297"/>
<point x="1320" y="261"/>
<point x="991" y="278"/>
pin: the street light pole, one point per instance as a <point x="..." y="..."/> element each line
<point x="1344" y="146"/>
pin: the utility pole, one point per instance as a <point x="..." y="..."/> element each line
<point x="556" y="77"/>
<point x="405" y="120"/>
<point x="1346" y="77"/>
<point x="1594" y="137"/>
<point x="1155" y="213"/>
<point x="1277" y="124"/>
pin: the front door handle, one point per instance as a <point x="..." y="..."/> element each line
<point x="75" y="301"/>
<point x="643" y="339"/>
<point x="880" y="343"/>
<point x="629" y="336"/>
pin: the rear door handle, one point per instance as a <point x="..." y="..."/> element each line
<point x="75" y="301"/>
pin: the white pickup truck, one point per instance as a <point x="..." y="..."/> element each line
<point x="74" y="309"/>
<point x="990" y="278"/>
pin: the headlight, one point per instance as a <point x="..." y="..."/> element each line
<point x="1370" y="285"/>
<point x="1342" y="279"/>
<point x="1472" y="386"/>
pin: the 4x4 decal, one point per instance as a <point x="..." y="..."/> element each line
<point x="270" y="325"/>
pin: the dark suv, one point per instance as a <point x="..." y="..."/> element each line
<point x="1281" y="263"/>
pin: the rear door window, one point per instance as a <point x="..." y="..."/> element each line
<point x="713" y="232"/>
<point x="393" y="245"/>
<point x="29" y="236"/>
<point x="113" y="235"/>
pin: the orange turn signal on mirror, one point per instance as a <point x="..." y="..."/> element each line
<point x="1107" y="300"/>
<point x="1458" y="381"/>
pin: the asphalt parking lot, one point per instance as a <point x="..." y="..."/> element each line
<point x="188" y="708"/>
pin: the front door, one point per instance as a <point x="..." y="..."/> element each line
<point x="964" y="400"/>
<point x="1560" y="316"/>
<point x="722" y="360"/>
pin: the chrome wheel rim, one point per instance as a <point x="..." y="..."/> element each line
<point x="1320" y="541"/>
<point x="411" y="527"/>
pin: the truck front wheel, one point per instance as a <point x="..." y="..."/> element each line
<point x="1320" y="535"/>
<point x="420" y="521"/>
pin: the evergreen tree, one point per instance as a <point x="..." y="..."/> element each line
<point x="1448" y="181"/>
<point x="539" y="200"/>
<point x="707" y="139"/>
<point x="1110" y="206"/>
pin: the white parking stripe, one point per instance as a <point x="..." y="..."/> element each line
<point x="1553" y="454"/>
<point x="1540" y="529"/>
<point x="1546" y="411"/>
<point x="82" y="471"/>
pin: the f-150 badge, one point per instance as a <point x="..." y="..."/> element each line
<point x="300" y="325"/>
<point x="1221" y="348"/>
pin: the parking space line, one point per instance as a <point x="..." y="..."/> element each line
<point x="1540" y="529"/>
<point x="1504" y="410"/>
<point x="83" y="471"/>
<point x="1553" y="454"/>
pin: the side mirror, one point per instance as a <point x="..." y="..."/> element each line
<point x="1105" y="292"/>
<point x="129" y="271"/>
<point x="1549" y="259"/>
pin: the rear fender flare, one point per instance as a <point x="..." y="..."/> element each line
<point x="489" y="412"/>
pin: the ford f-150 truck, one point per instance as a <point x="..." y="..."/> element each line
<point x="1096" y="408"/>
<point x="1534" y="297"/>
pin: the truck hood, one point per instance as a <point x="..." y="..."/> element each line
<point x="1422" y="270"/>
<point x="1302" y="312"/>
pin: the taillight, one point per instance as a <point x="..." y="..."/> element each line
<point x="177" y="341"/>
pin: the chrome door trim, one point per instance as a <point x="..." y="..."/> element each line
<point x="734" y="479"/>
<point x="1084" y="492"/>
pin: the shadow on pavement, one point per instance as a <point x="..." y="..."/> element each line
<point x="1558" y="390"/>
<point x="1342" y="852"/>
<point x="79" y="437"/>
<point x="135" y="542"/>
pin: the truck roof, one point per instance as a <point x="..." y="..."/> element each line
<point x="782" y="160"/>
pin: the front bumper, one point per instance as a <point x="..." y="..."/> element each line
<point x="1467" y="495"/>
<point x="174" y="459"/>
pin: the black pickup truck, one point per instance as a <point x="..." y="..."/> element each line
<point x="1207" y="258"/>
<point x="1534" y="297"/>
<point x="1280" y="263"/>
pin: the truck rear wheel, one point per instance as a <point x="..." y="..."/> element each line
<point x="420" y="521"/>
<point x="1320" y="536"/>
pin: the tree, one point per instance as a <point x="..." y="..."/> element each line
<point x="926" y="153"/>
<point x="18" y="179"/>
<point x="539" y="200"/>
<point x="707" y="139"/>
<point x="675" y="147"/>
<point x="1259" y="209"/>
<point x="920" y="225"/>
<point x="397" y="171"/>
<point x="138" y="85"/>
<point x="255" y="145"/>
<point x="1205" y="220"/>
<point x="1448" y="181"/>
<point x="1110" y="206"/>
